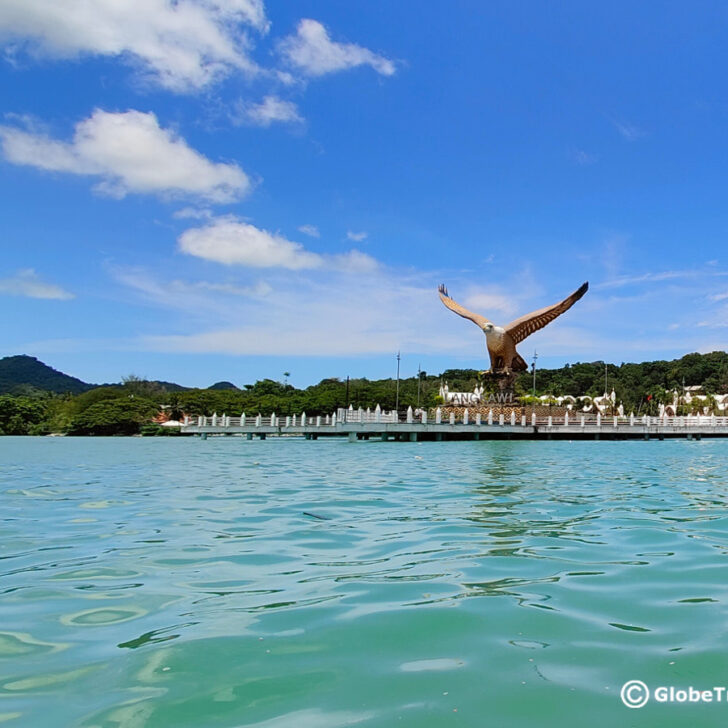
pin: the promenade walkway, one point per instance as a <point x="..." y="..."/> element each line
<point x="412" y="427"/>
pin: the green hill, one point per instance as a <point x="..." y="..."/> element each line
<point x="170" y="386"/>
<point x="19" y="374"/>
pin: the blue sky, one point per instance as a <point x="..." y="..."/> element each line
<point x="220" y="189"/>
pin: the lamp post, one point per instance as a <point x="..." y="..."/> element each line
<point x="396" y="404"/>
<point x="419" y="380"/>
<point x="606" y="385"/>
<point x="288" y="399"/>
<point x="533" y="390"/>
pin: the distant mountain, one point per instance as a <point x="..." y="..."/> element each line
<point x="223" y="385"/>
<point x="26" y="372"/>
<point x="25" y="375"/>
<point x="171" y="386"/>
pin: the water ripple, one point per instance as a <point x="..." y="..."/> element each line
<point x="235" y="583"/>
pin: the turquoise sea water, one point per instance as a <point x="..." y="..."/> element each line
<point x="176" y="582"/>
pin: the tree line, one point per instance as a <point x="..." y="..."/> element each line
<point x="128" y="408"/>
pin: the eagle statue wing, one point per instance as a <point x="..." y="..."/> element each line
<point x="526" y="325"/>
<point x="461" y="310"/>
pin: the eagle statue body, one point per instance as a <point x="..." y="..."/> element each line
<point x="501" y="340"/>
<point x="502" y="350"/>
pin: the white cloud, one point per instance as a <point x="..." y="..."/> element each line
<point x="186" y="294"/>
<point x="318" y="316"/>
<point x="353" y="262"/>
<point x="272" y="109"/>
<point x="231" y="241"/>
<point x="286" y="78"/>
<point x="130" y="152"/>
<point x="716" y="316"/>
<point x="315" y="312"/>
<point x="583" y="158"/>
<point x="485" y="301"/>
<point x="655" y="277"/>
<point x="356" y="237"/>
<point x="325" y="312"/>
<point x="630" y="132"/>
<point x="382" y="311"/>
<point x="27" y="283"/>
<point x="183" y="46"/>
<point x="257" y="290"/>
<point x="315" y="54"/>
<point x="193" y="213"/>
<point x="262" y="341"/>
<point x="311" y="230"/>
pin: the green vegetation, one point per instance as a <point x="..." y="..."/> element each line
<point x="128" y="408"/>
<point x="632" y="383"/>
<point x="24" y="415"/>
<point x="119" y="416"/>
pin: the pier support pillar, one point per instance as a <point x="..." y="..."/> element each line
<point x="262" y="436"/>
<point x="413" y="437"/>
<point x="204" y="436"/>
<point x="385" y="437"/>
<point x="249" y="436"/>
<point x="352" y="437"/>
<point x="438" y="437"/>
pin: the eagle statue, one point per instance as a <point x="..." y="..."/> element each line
<point x="501" y="340"/>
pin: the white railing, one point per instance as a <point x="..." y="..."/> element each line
<point x="576" y="420"/>
<point x="368" y="415"/>
<point x="272" y="420"/>
<point x="571" y="420"/>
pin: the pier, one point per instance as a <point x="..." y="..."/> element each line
<point x="380" y="425"/>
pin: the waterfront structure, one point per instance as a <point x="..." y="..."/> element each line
<point x="447" y="425"/>
<point x="695" y="400"/>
